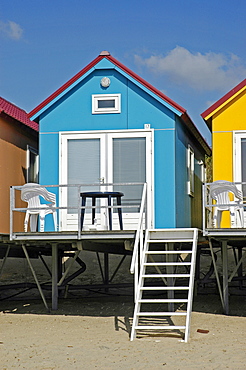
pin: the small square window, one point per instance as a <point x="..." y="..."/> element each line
<point x="109" y="103"/>
<point x="106" y="104"/>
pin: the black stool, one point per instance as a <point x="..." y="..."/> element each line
<point x="102" y="194"/>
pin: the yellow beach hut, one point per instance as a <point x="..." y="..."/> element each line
<point x="226" y="120"/>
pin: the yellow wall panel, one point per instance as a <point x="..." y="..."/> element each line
<point x="222" y="156"/>
<point x="231" y="117"/>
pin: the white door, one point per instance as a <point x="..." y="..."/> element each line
<point x="81" y="162"/>
<point x="111" y="157"/>
<point x="240" y="162"/>
<point x="130" y="161"/>
<point x="240" y="157"/>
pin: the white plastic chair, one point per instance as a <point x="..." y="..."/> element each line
<point x="219" y="191"/>
<point x="30" y="193"/>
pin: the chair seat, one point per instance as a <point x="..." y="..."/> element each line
<point x="220" y="191"/>
<point x="31" y="194"/>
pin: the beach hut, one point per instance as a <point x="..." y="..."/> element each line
<point x="18" y="156"/>
<point x="225" y="119"/>
<point x="107" y="125"/>
<point x="224" y="207"/>
<point x="108" y="134"/>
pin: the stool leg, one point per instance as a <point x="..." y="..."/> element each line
<point x="82" y="212"/>
<point x="120" y="212"/>
<point x="93" y="210"/>
<point x="109" y="213"/>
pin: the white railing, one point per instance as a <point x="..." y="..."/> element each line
<point x="209" y="205"/>
<point x="139" y="239"/>
<point x="134" y="206"/>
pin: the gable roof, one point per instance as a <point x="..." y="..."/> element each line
<point x="104" y="55"/>
<point x="36" y="112"/>
<point x="208" y="113"/>
<point x="16" y="113"/>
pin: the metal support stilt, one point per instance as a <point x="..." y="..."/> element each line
<point x="54" y="276"/>
<point x="5" y="259"/>
<point x="35" y="276"/>
<point x="225" y="276"/>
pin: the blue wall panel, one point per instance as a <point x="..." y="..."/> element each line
<point x="183" y="209"/>
<point x="49" y="169"/>
<point x="164" y="178"/>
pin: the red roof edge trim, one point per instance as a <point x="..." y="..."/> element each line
<point x="65" y="86"/>
<point x="91" y="65"/>
<point x="146" y="84"/>
<point x="223" y="99"/>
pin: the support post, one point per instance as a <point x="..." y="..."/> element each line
<point x="170" y="280"/>
<point x="106" y="269"/>
<point x="35" y="276"/>
<point x="5" y="259"/>
<point x="225" y="276"/>
<point x="54" y="276"/>
<point x="216" y="274"/>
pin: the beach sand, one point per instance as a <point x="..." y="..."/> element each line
<point x="91" y="330"/>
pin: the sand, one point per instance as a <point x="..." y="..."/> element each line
<point x="91" y="331"/>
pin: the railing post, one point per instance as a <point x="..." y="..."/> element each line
<point x="79" y="213"/>
<point x="12" y="204"/>
<point x="137" y="238"/>
<point x="203" y="208"/>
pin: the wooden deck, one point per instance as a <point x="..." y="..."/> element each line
<point x="225" y="232"/>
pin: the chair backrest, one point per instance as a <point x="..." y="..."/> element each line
<point x="219" y="191"/>
<point x="30" y="193"/>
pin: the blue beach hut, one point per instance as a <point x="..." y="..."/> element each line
<point x="107" y="125"/>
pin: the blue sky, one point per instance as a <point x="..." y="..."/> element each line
<point x="192" y="50"/>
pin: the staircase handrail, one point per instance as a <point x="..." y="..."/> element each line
<point x="139" y="229"/>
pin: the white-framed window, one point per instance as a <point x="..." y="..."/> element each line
<point x="32" y="164"/>
<point x="190" y="167"/>
<point x="106" y="103"/>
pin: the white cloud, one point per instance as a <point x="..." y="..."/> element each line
<point x="204" y="72"/>
<point x="11" y="29"/>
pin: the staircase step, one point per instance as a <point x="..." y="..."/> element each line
<point x="162" y="313"/>
<point x="164" y="300"/>
<point x="170" y="252"/>
<point x="165" y="275"/>
<point x="167" y="264"/>
<point x="169" y="240"/>
<point x="159" y="327"/>
<point x="165" y="288"/>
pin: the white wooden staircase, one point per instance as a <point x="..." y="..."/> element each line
<point x="164" y="293"/>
